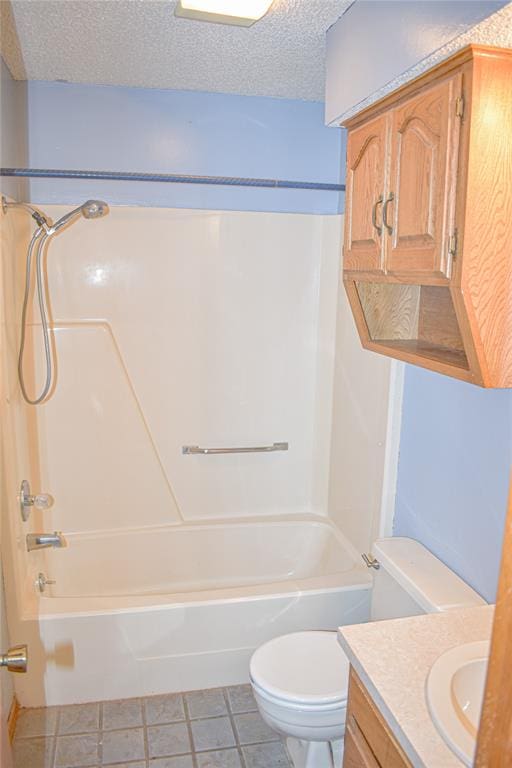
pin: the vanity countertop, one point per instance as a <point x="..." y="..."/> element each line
<point x="393" y="659"/>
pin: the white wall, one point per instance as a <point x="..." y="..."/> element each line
<point x="183" y="327"/>
<point x="364" y="391"/>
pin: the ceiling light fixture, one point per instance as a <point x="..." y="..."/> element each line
<point x="243" y="13"/>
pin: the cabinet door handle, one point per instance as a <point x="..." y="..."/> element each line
<point x="374" y="214"/>
<point x="385" y="213"/>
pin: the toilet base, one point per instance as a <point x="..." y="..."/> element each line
<point x="315" y="754"/>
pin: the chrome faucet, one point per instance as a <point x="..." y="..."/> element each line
<point x="43" y="540"/>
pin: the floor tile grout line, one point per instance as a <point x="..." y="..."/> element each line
<point x="100" y="733"/>
<point x="53" y="760"/>
<point x="235" y="733"/>
<point x="145" y="730"/>
<point x="189" y="729"/>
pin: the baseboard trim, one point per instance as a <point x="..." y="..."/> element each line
<point x="12" y="718"/>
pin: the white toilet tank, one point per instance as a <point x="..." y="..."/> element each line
<point x="411" y="580"/>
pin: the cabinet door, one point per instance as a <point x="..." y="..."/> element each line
<point x="420" y="209"/>
<point x="357" y="753"/>
<point x="364" y="240"/>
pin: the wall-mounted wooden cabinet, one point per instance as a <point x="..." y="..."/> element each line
<point x="428" y="221"/>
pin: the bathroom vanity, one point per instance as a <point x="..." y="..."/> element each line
<point x="369" y="741"/>
<point x="389" y="724"/>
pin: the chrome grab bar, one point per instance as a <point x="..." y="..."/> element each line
<point x="188" y="449"/>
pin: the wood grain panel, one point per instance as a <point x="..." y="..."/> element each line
<point x="357" y="753"/>
<point x="423" y="352"/>
<point x="486" y="278"/>
<point x="494" y="746"/>
<point x="391" y="310"/>
<point x="12" y="718"/>
<point x="424" y="150"/>
<point x="437" y="320"/>
<point x="366" y="153"/>
<point x="364" y="717"/>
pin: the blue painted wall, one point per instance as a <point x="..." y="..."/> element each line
<point x="455" y="460"/>
<point x="399" y="34"/>
<point x="13" y="131"/>
<point x="138" y="129"/>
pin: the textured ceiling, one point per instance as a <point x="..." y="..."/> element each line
<point x="142" y="43"/>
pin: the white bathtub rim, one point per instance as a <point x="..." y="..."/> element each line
<point x="232" y="522"/>
<point x="58" y="607"/>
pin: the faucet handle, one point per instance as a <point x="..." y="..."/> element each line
<point x="27" y="500"/>
<point x="41" y="582"/>
<point x="43" y="501"/>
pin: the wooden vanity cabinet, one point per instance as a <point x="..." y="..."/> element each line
<point x="428" y="220"/>
<point x="369" y="742"/>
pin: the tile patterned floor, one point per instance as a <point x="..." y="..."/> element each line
<point x="218" y="728"/>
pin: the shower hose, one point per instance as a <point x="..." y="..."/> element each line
<point x="39" y="238"/>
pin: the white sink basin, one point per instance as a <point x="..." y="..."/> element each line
<point x="455" y="691"/>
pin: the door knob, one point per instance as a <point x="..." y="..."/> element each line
<point x="15" y="659"/>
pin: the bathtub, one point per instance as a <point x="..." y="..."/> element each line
<point x="145" y="611"/>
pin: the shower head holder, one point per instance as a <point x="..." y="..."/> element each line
<point x="39" y="218"/>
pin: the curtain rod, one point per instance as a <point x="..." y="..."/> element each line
<point x="169" y="178"/>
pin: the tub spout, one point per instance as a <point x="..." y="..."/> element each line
<point x="43" y="540"/>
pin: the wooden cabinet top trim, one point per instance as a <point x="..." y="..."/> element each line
<point x="466" y="54"/>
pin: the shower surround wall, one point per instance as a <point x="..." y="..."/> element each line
<point x="13" y="415"/>
<point x="176" y="327"/>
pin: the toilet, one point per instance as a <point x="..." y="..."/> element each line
<point x="300" y="680"/>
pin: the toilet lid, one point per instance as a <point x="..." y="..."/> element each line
<point x="302" y="667"/>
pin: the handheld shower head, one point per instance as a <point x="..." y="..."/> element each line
<point x="91" y="209"/>
<point x="94" y="209"/>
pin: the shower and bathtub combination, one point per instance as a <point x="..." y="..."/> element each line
<point x="191" y="396"/>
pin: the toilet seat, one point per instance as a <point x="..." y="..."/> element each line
<point x="299" y="706"/>
<point x="308" y="669"/>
